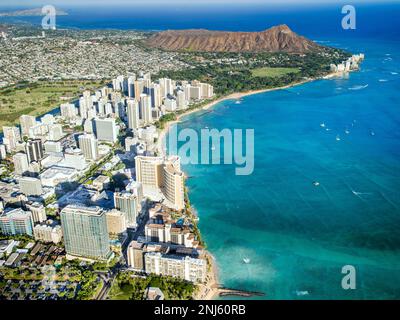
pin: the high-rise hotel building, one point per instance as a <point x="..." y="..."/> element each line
<point x="26" y="122"/>
<point x="89" y="146"/>
<point x="149" y="170"/>
<point x="30" y="186"/>
<point x="129" y="204"/>
<point x="85" y="232"/>
<point x="106" y="129"/>
<point x="11" y="137"/>
<point x="21" y="164"/>
<point x="173" y="184"/>
<point x="146" y="109"/>
<point x="133" y="114"/>
<point x="34" y="150"/>
<point x="162" y="173"/>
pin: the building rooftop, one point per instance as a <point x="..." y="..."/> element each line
<point x="16" y="214"/>
<point x="75" y="208"/>
<point x="102" y="179"/>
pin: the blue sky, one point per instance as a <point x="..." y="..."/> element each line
<point x="181" y="2"/>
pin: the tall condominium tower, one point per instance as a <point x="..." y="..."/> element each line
<point x="26" y="122"/>
<point x="21" y="164"/>
<point x="106" y="129"/>
<point x="89" y="146"/>
<point x="133" y="114"/>
<point x="85" y="104"/>
<point x="129" y="204"/>
<point x="68" y="111"/>
<point x="138" y="88"/>
<point x="11" y="136"/>
<point x="30" y="186"/>
<point x="155" y="94"/>
<point x="131" y="84"/>
<point x="85" y="232"/>
<point x="145" y="109"/>
<point x="34" y="150"/>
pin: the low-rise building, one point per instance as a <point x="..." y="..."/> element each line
<point x="101" y="183"/>
<point x="160" y="228"/>
<point x="48" y="232"/>
<point x="183" y="263"/>
<point x="56" y="175"/>
<point x="179" y="266"/>
<point x="7" y="247"/>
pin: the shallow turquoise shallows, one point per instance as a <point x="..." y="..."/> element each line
<point x="295" y="235"/>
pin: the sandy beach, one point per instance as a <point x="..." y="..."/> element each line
<point x="210" y="289"/>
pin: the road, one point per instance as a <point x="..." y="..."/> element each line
<point x="108" y="277"/>
<point x="102" y="295"/>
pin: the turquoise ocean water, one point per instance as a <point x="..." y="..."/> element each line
<point x="299" y="236"/>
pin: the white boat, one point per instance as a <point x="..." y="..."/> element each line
<point x="337" y="138"/>
<point x="322" y="125"/>
<point x="316" y="183"/>
<point x="372" y="133"/>
<point x="347" y="131"/>
<point x="302" y="293"/>
<point x="246" y="260"/>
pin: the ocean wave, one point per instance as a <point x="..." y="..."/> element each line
<point x="383" y="80"/>
<point x="359" y="87"/>
<point x="394" y="73"/>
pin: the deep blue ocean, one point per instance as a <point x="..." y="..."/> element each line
<point x="298" y="236"/>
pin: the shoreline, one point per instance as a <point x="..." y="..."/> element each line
<point x="233" y="96"/>
<point x="211" y="289"/>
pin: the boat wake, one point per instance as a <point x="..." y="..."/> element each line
<point x="358" y="194"/>
<point x="360" y="87"/>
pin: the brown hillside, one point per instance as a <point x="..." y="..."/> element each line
<point x="275" y="39"/>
